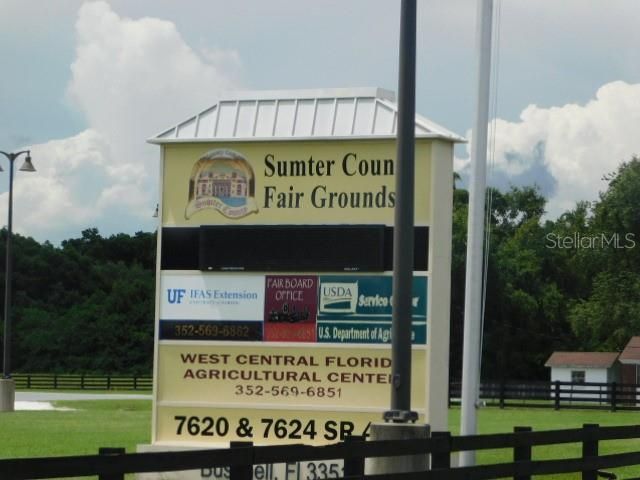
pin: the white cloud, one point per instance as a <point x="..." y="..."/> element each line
<point x="142" y="68"/>
<point x="61" y="193"/>
<point x="577" y="144"/>
<point x="130" y="78"/>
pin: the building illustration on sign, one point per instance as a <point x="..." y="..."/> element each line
<point x="222" y="185"/>
<point x="224" y="181"/>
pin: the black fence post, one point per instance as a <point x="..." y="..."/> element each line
<point x="110" y="452"/>
<point x="353" y="466"/>
<point x="108" y="382"/>
<point x="441" y="459"/>
<point x="55" y="381"/>
<point x="614" y="396"/>
<point x="241" y="472"/>
<point x="82" y="381"/>
<point x="28" y="381"/>
<point x="522" y="453"/>
<point x="502" y="388"/>
<point x="556" y="403"/>
<point x="590" y="448"/>
<point x="135" y="382"/>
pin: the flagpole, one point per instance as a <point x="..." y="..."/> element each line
<point x="471" y="354"/>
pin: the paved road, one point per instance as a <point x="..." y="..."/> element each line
<point x="53" y="396"/>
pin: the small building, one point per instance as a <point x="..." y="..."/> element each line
<point x="583" y="367"/>
<point x="630" y="360"/>
<point x="630" y="370"/>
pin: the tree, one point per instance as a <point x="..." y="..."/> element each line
<point x="525" y="310"/>
<point x="86" y="306"/>
<point x="607" y="313"/>
<point x="611" y="315"/>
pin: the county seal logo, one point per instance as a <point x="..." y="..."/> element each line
<point x="222" y="180"/>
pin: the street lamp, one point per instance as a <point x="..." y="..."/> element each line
<point x="7" y="386"/>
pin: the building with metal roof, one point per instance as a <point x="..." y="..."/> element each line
<point x="348" y="113"/>
<point x="579" y="368"/>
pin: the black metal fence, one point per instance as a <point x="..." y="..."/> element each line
<point x="610" y="396"/>
<point x="113" y="464"/>
<point x="44" y="381"/>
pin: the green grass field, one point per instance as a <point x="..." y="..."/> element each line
<point x="494" y="420"/>
<point x="81" y="431"/>
<point x="127" y="423"/>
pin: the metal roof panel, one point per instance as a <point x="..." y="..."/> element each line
<point x="300" y="114"/>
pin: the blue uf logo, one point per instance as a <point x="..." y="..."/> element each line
<point x="175" y="295"/>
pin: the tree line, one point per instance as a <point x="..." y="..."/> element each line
<point x="572" y="283"/>
<point x="86" y="306"/>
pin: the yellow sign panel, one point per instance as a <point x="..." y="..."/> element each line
<point x="288" y="183"/>
<point x="261" y="425"/>
<point x="295" y="376"/>
<point x="214" y="390"/>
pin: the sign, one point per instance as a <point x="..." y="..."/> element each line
<point x="211" y="297"/>
<point x="357" y="309"/>
<point x="261" y="426"/>
<point x="293" y="357"/>
<point x="291" y="304"/>
<point x="275" y="394"/>
<point x="285" y="308"/>
<point x="318" y="375"/>
<point x="287" y="183"/>
<point x="211" y="307"/>
<point x="212" y="376"/>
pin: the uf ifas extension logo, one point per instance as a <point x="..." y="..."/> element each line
<point x="175" y="295"/>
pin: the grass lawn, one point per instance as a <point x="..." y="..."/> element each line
<point x="127" y="423"/>
<point x="494" y="420"/>
<point x="81" y="431"/>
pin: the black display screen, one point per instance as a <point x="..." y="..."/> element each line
<point x="292" y="248"/>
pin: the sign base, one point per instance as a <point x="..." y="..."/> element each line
<point x="7" y="395"/>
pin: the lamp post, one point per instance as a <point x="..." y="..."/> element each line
<point x="7" y="386"/>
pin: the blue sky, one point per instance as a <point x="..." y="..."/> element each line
<point x="85" y="83"/>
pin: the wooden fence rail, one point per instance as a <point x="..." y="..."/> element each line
<point x="41" y="381"/>
<point x="610" y="396"/>
<point x="112" y="464"/>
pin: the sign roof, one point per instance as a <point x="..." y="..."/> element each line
<point x="300" y="115"/>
